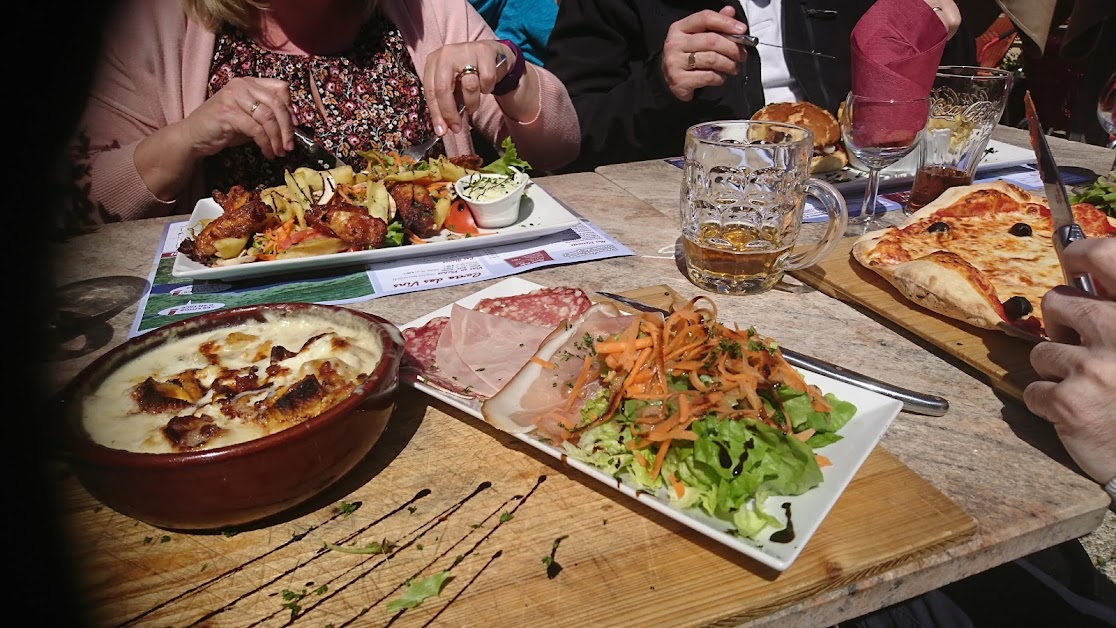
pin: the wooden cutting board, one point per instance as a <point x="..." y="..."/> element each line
<point x="1001" y="359"/>
<point x="491" y="510"/>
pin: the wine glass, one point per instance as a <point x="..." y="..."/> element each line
<point x="1106" y="109"/>
<point x="880" y="132"/>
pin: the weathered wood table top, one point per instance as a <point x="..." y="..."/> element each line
<point x="984" y="456"/>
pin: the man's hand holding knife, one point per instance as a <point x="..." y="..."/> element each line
<point x="1078" y="364"/>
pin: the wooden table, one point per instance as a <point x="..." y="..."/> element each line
<point x="983" y="455"/>
<point x="657" y="183"/>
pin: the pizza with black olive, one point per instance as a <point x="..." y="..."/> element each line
<point x="982" y="254"/>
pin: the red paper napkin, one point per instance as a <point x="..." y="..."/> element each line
<point x="896" y="48"/>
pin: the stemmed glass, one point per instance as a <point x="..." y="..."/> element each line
<point x="1106" y="109"/>
<point x="880" y="132"/>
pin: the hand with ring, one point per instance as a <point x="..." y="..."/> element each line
<point x="456" y="76"/>
<point x="245" y="110"/>
<point x="697" y="54"/>
<point x="948" y="13"/>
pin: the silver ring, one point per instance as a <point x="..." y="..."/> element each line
<point x="936" y="8"/>
<point x="468" y="69"/>
<point x="691" y="62"/>
<point x="253" y="108"/>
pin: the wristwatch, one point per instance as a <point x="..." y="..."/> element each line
<point x="511" y="79"/>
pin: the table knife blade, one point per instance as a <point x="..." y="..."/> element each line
<point x="915" y="402"/>
<point x="1066" y="229"/>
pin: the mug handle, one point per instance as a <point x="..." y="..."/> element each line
<point x="838" y="213"/>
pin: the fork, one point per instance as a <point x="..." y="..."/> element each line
<point x="418" y="152"/>
<point x="321" y="156"/>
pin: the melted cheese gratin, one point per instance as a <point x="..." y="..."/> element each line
<point x="230" y="385"/>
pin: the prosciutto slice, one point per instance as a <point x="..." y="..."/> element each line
<point x="538" y="395"/>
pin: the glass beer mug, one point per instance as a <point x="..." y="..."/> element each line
<point x="744" y="187"/>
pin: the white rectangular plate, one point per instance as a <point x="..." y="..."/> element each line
<point x="850" y="179"/>
<point x="874" y="414"/>
<point x="540" y="214"/>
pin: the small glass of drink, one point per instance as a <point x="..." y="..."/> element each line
<point x="966" y="103"/>
<point x="744" y="187"/>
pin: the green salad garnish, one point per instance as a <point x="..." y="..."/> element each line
<point x="1100" y="193"/>
<point x="509" y="161"/>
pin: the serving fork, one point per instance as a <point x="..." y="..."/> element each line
<point x="418" y="152"/>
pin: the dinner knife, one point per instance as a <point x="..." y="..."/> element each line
<point x="916" y="402"/>
<point x="1066" y="229"/>
<point x="751" y="42"/>
<point x="323" y="158"/>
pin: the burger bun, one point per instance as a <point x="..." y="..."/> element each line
<point x="829" y="154"/>
<point x="829" y="162"/>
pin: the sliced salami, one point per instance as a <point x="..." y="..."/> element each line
<point x="546" y="307"/>
<point x="421" y="343"/>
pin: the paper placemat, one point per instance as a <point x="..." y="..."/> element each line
<point x="170" y="298"/>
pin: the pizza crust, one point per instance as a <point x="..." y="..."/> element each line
<point x="970" y="283"/>
<point x="942" y="282"/>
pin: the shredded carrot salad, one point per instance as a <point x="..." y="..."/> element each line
<point x="689" y="366"/>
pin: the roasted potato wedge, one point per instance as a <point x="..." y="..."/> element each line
<point x="313" y="246"/>
<point x="228" y="248"/>
<point x="441" y="210"/>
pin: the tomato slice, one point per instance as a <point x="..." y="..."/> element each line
<point x="460" y="219"/>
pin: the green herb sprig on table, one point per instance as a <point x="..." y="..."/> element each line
<point x="1100" y="193"/>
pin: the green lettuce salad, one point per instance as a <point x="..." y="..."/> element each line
<point x="729" y="455"/>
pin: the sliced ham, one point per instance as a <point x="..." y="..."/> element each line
<point x="473" y="353"/>
<point x="480" y="352"/>
<point x="536" y="398"/>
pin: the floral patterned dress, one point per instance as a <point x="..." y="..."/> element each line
<point x="371" y="97"/>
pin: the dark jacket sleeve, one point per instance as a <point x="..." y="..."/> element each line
<point x="609" y="55"/>
<point x="613" y="75"/>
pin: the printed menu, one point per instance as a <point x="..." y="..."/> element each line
<point x="171" y="298"/>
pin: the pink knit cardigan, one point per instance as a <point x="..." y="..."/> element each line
<point x="154" y="71"/>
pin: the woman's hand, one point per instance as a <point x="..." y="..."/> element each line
<point x="245" y="110"/>
<point x="468" y="69"/>
<point x="1078" y="365"/>
<point x="696" y="53"/>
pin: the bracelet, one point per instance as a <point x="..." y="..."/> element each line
<point x="515" y="73"/>
<point x="1110" y="488"/>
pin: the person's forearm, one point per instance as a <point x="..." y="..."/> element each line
<point x="522" y="104"/>
<point x="166" y="162"/>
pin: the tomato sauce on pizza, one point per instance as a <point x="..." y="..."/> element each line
<point x="983" y="254"/>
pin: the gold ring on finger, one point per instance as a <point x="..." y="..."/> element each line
<point x="468" y="69"/>
<point x="691" y="62"/>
